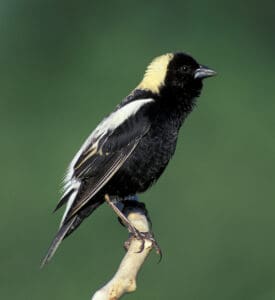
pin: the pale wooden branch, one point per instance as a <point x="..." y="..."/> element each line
<point x="124" y="280"/>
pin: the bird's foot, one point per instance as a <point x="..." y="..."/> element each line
<point x="143" y="236"/>
<point x="128" y="207"/>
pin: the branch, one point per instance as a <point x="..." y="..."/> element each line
<point x="124" y="280"/>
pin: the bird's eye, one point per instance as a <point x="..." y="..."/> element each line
<point x="184" y="68"/>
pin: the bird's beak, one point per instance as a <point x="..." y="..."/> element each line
<point x="204" y="72"/>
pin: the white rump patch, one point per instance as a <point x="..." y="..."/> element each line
<point x="75" y="185"/>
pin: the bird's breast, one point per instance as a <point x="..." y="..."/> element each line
<point x="149" y="159"/>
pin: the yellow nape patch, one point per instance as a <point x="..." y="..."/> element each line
<point x="155" y="74"/>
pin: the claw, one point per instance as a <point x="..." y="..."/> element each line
<point x="143" y="236"/>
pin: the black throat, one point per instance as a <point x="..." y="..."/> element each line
<point x="181" y="100"/>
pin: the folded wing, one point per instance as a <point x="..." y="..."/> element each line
<point x="103" y="153"/>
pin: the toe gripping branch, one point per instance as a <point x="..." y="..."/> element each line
<point x="133" y="214"/>
<point x="130" y="210"/>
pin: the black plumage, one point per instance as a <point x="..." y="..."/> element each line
<point x="131" y="148"/>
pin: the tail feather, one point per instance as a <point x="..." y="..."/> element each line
<point x="68" y="227"/>
<point x="64" y="199"/>
<point x="57" y="241"/>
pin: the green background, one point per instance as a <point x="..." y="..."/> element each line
<point x="66" y="64"/>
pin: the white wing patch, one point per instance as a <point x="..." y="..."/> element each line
<point x="116" y="118"/>
<point x="108" y="124"/>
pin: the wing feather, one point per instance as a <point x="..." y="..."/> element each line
<point x="103" y="153"/>
<point x="117" y="162"/>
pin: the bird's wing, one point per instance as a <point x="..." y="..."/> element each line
<point x="103" y="153"/>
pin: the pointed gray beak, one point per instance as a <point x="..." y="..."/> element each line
<point x="204" y="72"/>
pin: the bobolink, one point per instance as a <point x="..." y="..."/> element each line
<point x="131" y="147"/>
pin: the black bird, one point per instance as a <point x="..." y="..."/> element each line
<point x="131" y="147"/>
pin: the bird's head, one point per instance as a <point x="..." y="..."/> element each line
<point x="175" y="73"/>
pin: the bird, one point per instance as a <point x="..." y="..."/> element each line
<point x="131" y="147"/>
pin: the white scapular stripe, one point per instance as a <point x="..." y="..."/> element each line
<point x="110" y="123"/>
<point x="116" y="118"/>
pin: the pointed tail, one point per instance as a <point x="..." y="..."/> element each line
<point x="57" y="241"/>
<point x="68" y="227"/>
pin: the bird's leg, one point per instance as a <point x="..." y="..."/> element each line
<point x="130" y="206"/>
<point x="121" y="216"/>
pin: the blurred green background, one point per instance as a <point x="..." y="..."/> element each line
<point x="66" y="64"/>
